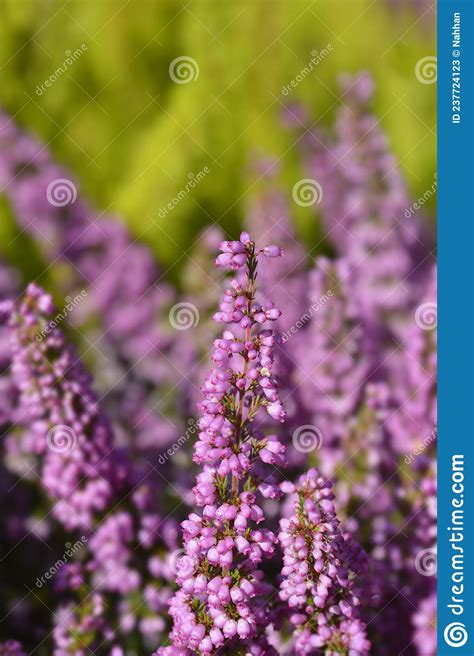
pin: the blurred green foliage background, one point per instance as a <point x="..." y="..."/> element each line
<point x="131" y="136"/>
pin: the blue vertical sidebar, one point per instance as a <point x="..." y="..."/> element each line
<point x="455" y="328"/>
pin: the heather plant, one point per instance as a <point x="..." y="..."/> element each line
<point x="203" y="289"/>
<point x="134" y="351"/>
<point x="8" y="288"/>
<point x="344" y="381"/>
<point x="24" y="522"/>
<point x="388" y="505"/>
<point x="94" y="489"/>
<point x="224" y="602"/>
<point x="287" y="285"/>
<point x="269" y="217"/>
<point x="222" y="596"/>
<point x="321" y="573"/>
<point x="369" y="379"/>
<point x="363" y="206"/>
<point x="333" y="359"/>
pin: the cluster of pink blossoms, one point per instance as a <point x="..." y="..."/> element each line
<point x="93" y="487"/>
<point x="353" y="362"/>
<point x="320" y="571"/>
<point x="222" y="596"/>
<point x="78" y="473"/>
<point x="224" y="604"/>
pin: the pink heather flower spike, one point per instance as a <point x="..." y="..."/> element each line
<point x="319" y="575"/>
<point x="67" y="427"/>
<point x="91" y="486"/>
<point x="222" y="600"/>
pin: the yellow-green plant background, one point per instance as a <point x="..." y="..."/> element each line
<point x="131" y="136"/>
